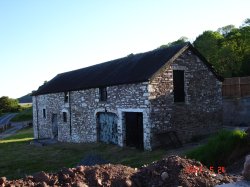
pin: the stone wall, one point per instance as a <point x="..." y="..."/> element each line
<point x="236" y="111"/>
<point x="201" y="113"/>
<point x="83" y="107"/>
<point x="53" y="104"/>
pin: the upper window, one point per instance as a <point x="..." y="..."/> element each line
<point x="64" y="116"/>
<point x="103" y="94"/>
<point x="44" y="113"/>
<point x="66" y="97"/>
<point x="178" y="79"/>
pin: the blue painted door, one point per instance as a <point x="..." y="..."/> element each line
<point x="107" y="127"/>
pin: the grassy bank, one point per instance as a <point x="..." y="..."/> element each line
<point x="24" y="115"/>
<point x="19" y="158"/>
<point x="222" y="149"/>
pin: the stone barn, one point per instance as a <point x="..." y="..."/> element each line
<point x="143" y="100"/>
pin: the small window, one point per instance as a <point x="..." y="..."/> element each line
<point x="64" y="116"/>
<point x="66" y="97"/>
<point x="103" y="94"/>
<point x="44" y="113"/>
<point x="178" y="79"/>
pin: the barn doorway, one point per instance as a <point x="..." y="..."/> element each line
<point x="107" y="127"/>
<point x="134" y="129"/>
<point x="54" y="126"/>
<point x="178" y="79"/>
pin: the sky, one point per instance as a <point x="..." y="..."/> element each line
<point x="41" y="38"/>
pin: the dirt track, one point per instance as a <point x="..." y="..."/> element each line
<point x="15" y="126"/>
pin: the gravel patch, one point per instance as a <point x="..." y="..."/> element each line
<point x="92" y="159"/>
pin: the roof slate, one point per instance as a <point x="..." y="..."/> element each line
<point x="131" y="69"/>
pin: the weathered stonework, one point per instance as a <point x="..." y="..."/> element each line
<point x="199" y="114"/>
<point x="82" y="109"/>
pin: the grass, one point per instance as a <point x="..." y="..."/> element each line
<point x="24" y="115"/>
<point x="19" y="158"/>
<point x="2" y="114"/>
<point x="221" y="148"/>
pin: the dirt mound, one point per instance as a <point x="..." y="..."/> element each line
<point x="177" y="171"/>
<point x="81" y="176"/>
<point x="170" y="171"/>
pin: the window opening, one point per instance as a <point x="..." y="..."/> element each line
<point x="64" y="117"/>
<point x="178" y="79"/>
<point x="103" y="94"/>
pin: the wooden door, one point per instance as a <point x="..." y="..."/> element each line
<point x="107" y="127"/>
<point x="134" y="129"/>
<point x="54" y="126"/>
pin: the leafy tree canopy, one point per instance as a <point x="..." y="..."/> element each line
<point x="227" y="49"/>
<point x="8" y="105"/>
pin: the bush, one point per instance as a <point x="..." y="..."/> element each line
<point x="219" y="148"/>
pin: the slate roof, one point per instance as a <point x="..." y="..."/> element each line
<point x="131" y="69"/>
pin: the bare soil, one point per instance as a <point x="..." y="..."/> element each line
<point x="170" y="171"/>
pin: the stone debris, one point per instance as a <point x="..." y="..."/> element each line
<point x="170" y="171"/>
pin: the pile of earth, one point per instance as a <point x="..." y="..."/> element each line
<point x="170" y="171"/>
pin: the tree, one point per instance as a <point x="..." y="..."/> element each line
<point x="237" y="44"/>
<point x="181" y="40"/>
<point x="245" y="68"/>
<point x="8" y="105"/>
<point x="246" y="22"/>
<point x="245" y="37"/>
<point x="227" y="49"/>
<point x="209" y="44"/>
<point x="226" y="29"/>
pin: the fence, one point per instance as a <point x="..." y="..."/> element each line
<point x="236" y="87"/>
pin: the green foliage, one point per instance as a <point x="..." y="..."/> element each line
<point x="246" y="22"/>
<point x="219" y="148"/>
<point x="25" y="115"/>
<point x="226" y="29"/>
<point x="227" y="49"/>
<point x="181" y="40"/>
<point x="8" y="105"/>
<point x="209" y="44"/>
<point x="246" y="65"/>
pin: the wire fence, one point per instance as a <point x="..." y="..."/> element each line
<point x="236" y="87"/>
